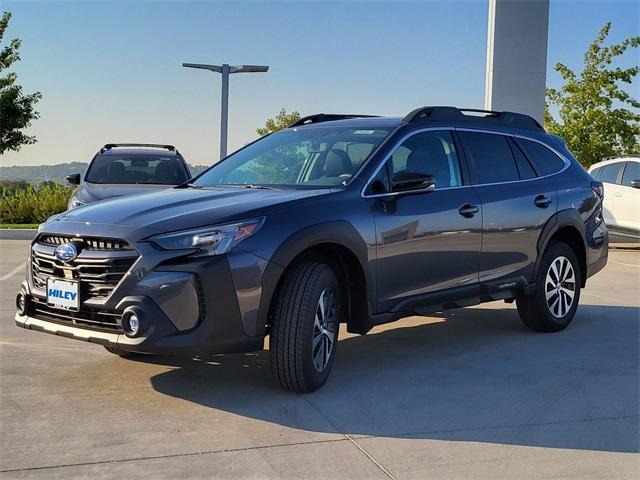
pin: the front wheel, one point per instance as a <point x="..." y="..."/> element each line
<point x="306" y="322"/>
<point x="555" y="299"/>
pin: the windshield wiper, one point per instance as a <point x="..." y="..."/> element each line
<point x="259" y="187"/>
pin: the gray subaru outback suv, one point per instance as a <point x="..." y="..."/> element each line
<point x="337" y="219"/>
<point x="121" y="169"/>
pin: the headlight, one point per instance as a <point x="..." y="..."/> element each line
<point x="216" y="240"/>
<point x="74" y="202"/>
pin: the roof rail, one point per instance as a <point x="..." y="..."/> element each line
<point x="509" y="119"/>
<point x="109" y="146"/>
<point x="326" y="117"/>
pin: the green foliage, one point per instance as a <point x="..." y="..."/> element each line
<point x="283" y="165"/>
<point x="28" y="204"/>
<point x="280" y="121"/>
<point x="592" y="106"/>
<point x="16" y="110"/>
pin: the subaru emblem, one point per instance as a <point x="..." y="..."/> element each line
<point x="66" y="252"/>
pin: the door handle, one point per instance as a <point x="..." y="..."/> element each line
<point x="467" y="210"/>
<point x="618" y="194"/>
<point x="542" y="201"/>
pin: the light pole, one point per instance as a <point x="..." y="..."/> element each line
<point x="225" y="70"/>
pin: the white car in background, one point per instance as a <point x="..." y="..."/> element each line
<point x="621" y="179"/>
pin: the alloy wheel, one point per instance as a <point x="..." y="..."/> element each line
<point x="324" y="330"/>
<point x="560" y="287"/>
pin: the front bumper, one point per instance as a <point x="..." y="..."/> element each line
<point x="191" y="306"/>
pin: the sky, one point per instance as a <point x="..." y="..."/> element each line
<point x="111" y="71"/>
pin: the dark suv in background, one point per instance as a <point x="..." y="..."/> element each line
<point x="120" y="169"/>
<point x="337" y="219"/>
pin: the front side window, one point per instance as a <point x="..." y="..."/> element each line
<point x="305" y="157"/>
<point x="490" y="158"/>
<point x="545" y="161"/>
<point x="631" y="172"/>
<point x="609" y="173"/>
<point x="430" y="153"/>
<point x="137" y="169"/>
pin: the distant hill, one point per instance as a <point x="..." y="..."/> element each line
<point x="57" y="173"/>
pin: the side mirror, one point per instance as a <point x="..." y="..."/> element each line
<point x="74" y="179"/>
<point x="635" y="183"/>
<point x="412" y="182"/>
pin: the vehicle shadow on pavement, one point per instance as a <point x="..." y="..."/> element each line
<point x="469" y="375"/>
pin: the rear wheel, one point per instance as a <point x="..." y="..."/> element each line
<point x="306" y="322"/>
<point x="553" y="304"/>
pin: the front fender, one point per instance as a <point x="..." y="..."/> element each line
<point x="333" y="232"/>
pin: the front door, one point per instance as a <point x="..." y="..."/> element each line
<point x="426" y="241"/>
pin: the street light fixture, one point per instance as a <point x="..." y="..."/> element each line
<point x="226" y="70"/>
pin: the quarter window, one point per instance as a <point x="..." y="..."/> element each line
<point x="544" y="160"/>
<point x="490" y="158"/>
<point x="631" y="172"/>
<point x="609" y="173"/>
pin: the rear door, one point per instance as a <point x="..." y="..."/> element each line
<point x="516" y="203"/>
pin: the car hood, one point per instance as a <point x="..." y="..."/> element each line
<point x="181" y="208"/>
<point x="92" y="192"/>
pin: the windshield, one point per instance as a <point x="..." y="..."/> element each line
<point x="137" y="169"/>
<point x="316" y="156"/>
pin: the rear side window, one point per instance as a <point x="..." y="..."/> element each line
<point x="631" y="172"/>
<point x="609" y="173"/>
<point x="596" y="173"/>
<point x="544" y="160"/>
<point x="490" y="158"/>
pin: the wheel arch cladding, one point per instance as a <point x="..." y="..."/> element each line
<point x="337" y="244"/>
<point x="566" y="226"/>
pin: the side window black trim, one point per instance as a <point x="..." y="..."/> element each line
<point x="514" y="145"/>
<point x="462" y="158"/>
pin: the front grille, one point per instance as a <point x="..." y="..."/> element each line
<point x="91" y="318"/>
<point x="87" y="242"/>
<point x="98" y="271"/>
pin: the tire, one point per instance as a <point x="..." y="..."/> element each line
<point x="121" y="353"/>
<point x="549" y="308"/>
<point x="304" y="336"/>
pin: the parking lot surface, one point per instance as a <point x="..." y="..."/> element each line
<point x="465" y="394"/>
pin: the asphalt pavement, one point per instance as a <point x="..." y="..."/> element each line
<point x="466" y="394"/>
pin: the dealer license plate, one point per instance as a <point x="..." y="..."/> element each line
<point x="63" y="294"/>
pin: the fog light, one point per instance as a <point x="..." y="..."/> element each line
<point x="132" y="322"/>
<point x="21" y="303"/>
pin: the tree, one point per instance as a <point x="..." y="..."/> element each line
<point x="280" y="121"/>
<point x="592" y="106"/>
<point x="16" y="110"/>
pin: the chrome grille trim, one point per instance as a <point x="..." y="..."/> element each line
<point x="98" y="271"/>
